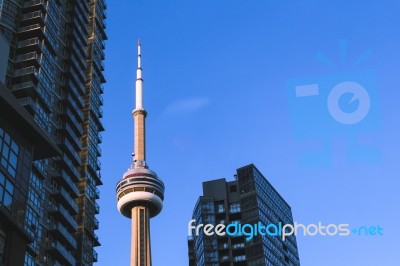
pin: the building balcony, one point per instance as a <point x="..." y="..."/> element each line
<point x="73" y="154"/>
<point x="36" y="17"/>
<point x="98" y="151"/>
<point x="78" y="79"/>
<point x="76" y="35"/>
<point x="103" y="3"/>
<point x="28" y="103"/>
<point x="97" y="193"/>
<point x="24" y="89"/>
<point x="99" y="44"/>
<point x="74" y="122"/>
<point x="97" y="208"/>
<point x="96" y="223"/>
<point x="62" y="254"/>
<point x="27" y="59"/>
<point x="71" y="134"/>
<point x="68" y="169"/>
<point x="98" y="64"/>
<point x="61" y="213"/>
<point x="59" y="231"/>
<point x="95" y="256"/>
<point x="26" y="74"/>
<point x="78" y="104"/>
<point x="99" y="138"/>
<point x="71" y="168"/>
<point x="33" y="5"/>
<point x="73" y="90"/>
<point x="101" y="22"/>
<point x="62" y="195"/>
<point x="78" y="56"/>
<point x="100" y="115"/>
<point x="84" y="5"/>
<point x="33" y="30"/>
<point x="65" y="179"/>
<point x="96" y="242"/>
<point x="71" y="105"/>
<point x="90" y="232"/>
<point x="98" y="167"/>
<point x="29" y="45"/>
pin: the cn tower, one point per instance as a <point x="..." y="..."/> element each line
<point x="140" y="193"/>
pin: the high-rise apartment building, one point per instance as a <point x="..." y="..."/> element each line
<point x="21" y="142"/>
<point x="51" y="59"/>
<point x="249" y="199"/>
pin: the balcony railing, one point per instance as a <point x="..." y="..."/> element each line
<point x="23" y="86"/>
<point x="26" y="71"/>
<point x="64" y="233"/>
<point x="67" y="199"/>
<point x="26" y="57"/>
<point x="97" y="193"/>
<point x="96" y="223"/>
<point x="95" y="256"/>
<point x="32" y="15"/>
<point x="97" y="208"/>
<point x="72" y="168"/>
<point x="64" y="252"/>
<point x="65" y="215"/>
<point x="28" y="103"/>
<point x="29" y="28"/>
<point x="68" y="181"/>
<point x="33" y="3"/>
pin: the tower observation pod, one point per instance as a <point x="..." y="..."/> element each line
<point x="140" y="193"/>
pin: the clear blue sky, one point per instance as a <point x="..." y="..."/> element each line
<point x="219" y="81"/>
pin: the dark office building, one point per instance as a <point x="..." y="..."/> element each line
<point x="247" y="200"/>
<point x="51" y="60"/>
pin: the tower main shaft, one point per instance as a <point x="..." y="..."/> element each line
<point x="140" y="242"/>
<point x="140" y="193"/>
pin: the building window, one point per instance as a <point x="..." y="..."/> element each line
<point x="220" y="207"/>
<point x="9" y="152"/>
<point x="29" y="261"/>
<point x="238" y="245"/>
<point x="233" y="188"/>
<point x="239" y="258"/>
<point x="234" y="207"/>
<point x="6" y="192"/>
<point x="32" y="226"/>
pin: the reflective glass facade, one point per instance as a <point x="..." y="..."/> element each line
<point x="55" y="70"/>
<point x="21" y="142"/>
<point x="247" y="200"/>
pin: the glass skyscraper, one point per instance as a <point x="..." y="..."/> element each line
<point x="51" y="59"/>
<point x="249" y="199"/>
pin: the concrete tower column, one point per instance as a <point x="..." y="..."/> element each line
<point x="140" y="243"/>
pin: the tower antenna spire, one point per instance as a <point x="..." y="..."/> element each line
<point x="139" y="54"/>
<point x="139" y="115"/>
